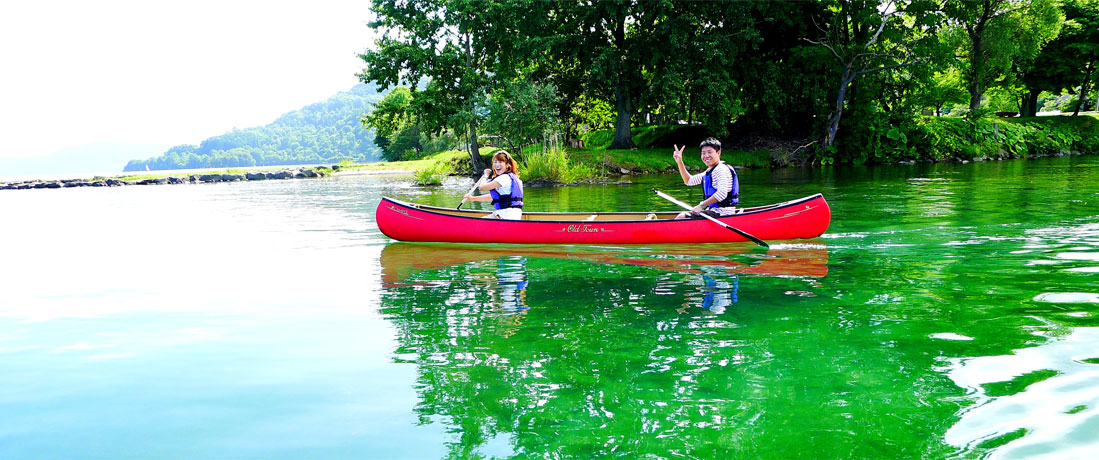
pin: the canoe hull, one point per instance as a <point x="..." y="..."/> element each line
<point x="803" y="218"/>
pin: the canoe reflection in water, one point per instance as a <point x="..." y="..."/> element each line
<point x="715" y="269"/>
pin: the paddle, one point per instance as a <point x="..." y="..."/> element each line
<point x="475" y="184"/>
<point x="723" y="224"/>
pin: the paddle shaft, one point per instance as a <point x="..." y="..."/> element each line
<point x="475" y="184"/>
<point x="723" y="224"/>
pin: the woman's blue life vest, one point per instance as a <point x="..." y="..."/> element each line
<point x="708" y="188"/>
<point x="514" y="200"/>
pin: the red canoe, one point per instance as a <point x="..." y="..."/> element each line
<point x="802" y="218"/>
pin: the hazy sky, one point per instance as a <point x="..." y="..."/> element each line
<point x="76" y="72"/>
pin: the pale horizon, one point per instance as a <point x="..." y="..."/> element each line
<point x="83" y="74"/>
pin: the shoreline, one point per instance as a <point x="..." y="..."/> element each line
<point x="191" y="176"/>
<point x="226" y="175"/>
<point x="313" y="172"/>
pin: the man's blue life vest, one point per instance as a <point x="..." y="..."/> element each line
<point x="708" y="188"/>
<point x="514" y="200"/>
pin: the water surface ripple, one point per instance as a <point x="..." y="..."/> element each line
<point x="950" y="311"/>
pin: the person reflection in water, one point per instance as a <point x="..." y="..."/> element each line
<point x="719" y="291"/>
<point x="510" y="292"/>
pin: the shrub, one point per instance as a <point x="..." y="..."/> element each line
<point x="554" y="165"/>
<point x="643" y="136"/>
<point x="598" y="139"/>
<point x="1068" y="105"/>
<point x="433" y="174"/>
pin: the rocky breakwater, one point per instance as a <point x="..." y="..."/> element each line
<point x="292" y="173"/>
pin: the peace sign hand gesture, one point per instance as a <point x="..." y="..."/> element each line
<point x="678" y="153"/>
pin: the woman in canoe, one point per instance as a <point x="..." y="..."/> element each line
<point x="505" y="190"/>
<point x="719" y="182"/>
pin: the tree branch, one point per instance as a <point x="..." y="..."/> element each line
<point x="826" y="45"/>
<point x="869" y="56"/>
<point x="1008" y="11"/>
<point x="894" y="66"/>
<point x="821" y="29"/>
<point x="804" y="146"/>
<point x="881" y="27"/>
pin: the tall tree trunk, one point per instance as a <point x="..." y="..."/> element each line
<point x="975" y="95"/>
<point x="976" y="60"/>
<point x="1030" y="103"/>
<point x="622" y="137"/>
<point x="974" y="86"/>
<point x="1083" y="89"/>
<point x="474" y="146"/>
<point x="837" y="113"/>
<point x="690" y="107"/>
<point x="475" y="150"/>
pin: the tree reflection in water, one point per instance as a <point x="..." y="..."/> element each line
<point x="560" y="351"/>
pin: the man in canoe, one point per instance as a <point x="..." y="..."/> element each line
<point x="505" y="189"/>
<point x="720" y="185"/>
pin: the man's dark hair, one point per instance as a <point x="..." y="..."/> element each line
<point x="712" y="142"/>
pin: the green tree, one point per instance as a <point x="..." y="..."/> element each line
<point x="784" y="81"/>
<point x="395" y="127"/>
<point x="946" y="87"/>
<point x="1053" y="70"/>
<point x="692" y="53"/>
<point x="997" y="33"/>
<point x="595" y="37"/>
<point x="521" y="112"/>
<point x="455" y="45"/>
<point x="1081" y="36"/>
<point x="1067" y="61"/>
<point x="587" y="114"/>
<point x="641" y="54"/>
<point x="864" y="37"/>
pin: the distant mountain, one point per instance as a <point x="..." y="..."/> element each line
<point x="79" y="161"/>
<point x="325" y="132"/>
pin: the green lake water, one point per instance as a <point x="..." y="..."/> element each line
<point x="950" y="311"/>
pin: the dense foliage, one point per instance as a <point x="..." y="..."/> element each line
<point x="848" y="78"/>
<point x="948" y="138"/>
<point x="325" y="132"/>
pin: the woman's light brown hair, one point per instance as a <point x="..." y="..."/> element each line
<point x="512" y="165"/>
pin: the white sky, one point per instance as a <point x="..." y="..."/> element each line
<point x="73" y="72"/>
